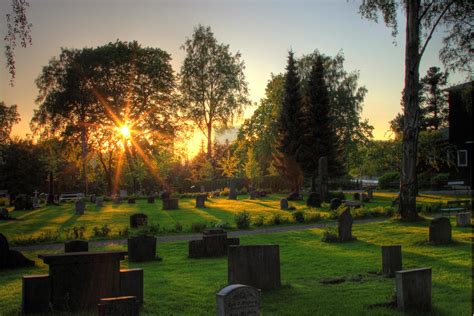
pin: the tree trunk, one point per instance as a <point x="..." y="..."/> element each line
<point x="84" y="158"/>
<point x="408" y="181"/>
<point x="209" y="140"/>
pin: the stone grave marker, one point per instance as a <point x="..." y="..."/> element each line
<point x="344" y="226"/>
<point x="12" y="259"/>
<point x="131" y="201"/>
<point x="23" y="202"/>
<point x="93" y="198"/>
<point x="314" y="200"/>
<point x="76" y="246"/>
<point x="99" y="201"/>
<point x="391" y="260"/>
<point x="131" y="283"/>
<point x="440" y="231"/>
<point x="232" y="190"/>
<point x="335" y="203"/>
<point x="170" y="204"/>
<point x="256" y="265"/>
<point x="137" y="220"/>
<point x="238" y="299"/>
<point x="80" y="206"/>
<point x="36" y="294"/>
<point x="141" y="248"/>
<point x="123" y="193"/>
<point x="413" y="289"/>
<point x="356" y="196"/>
<point x="118" y="306"/>
<point x="370" y="193"/>
<point x="214" y="243"/>
<point x="201" y="200"/>
<point x="4" y="214"/>
<point x="283" y="204"/>
<point x="463" y="219"/>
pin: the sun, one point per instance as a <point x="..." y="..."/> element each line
<point x="125" y="130"/>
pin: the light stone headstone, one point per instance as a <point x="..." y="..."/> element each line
<point x="80" y="206"/>
<point x="99" y="201"/>
<point x="123" y="193"/>
<point x="283" y="204"/>
<point x="238" y="299"/>
<point x="463" y="219"/>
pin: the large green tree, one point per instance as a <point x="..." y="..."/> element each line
<point x="8" y="117"/>
<point x="423" y="18"/>
<point x="212" y="83"/>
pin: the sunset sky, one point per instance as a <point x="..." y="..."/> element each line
<point x="263" y="31"/>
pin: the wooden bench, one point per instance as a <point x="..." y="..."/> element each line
<point x="455" y="206"/>
<point x="70" y="196"/>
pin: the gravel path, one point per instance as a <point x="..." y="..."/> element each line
<point x="238" y="233"/>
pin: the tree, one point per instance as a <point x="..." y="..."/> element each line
<point x="435" y="106"/>
<point x="229" y="165"/>
<point x="8" y="117"/>
<point x="212" y="83"/>
<point x="251" y="168"/>
<point x="423" y="17"/>
<point x="289" y="126"/>
<point x="319" y="134"/>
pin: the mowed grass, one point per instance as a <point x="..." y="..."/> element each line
<point x="116" y="216"/>
<point x="182" y="286"/>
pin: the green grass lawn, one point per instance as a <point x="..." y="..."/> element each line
<point x="181" y="286"/>
<point x="219" y="210"/>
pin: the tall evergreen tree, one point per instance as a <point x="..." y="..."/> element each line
<point x="319" y="135"/>
<point x="289" y="125"/>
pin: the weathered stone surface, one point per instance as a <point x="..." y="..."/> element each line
<point x="238" y="299"/>
<point x="201" y="200"/>
<point x="440" y="230"/>
<point x="36" y="294"/>
<point x="314" y="200"/>
<point x="151" y="200"/>
<point x="23" y="202"/>
<point x="214" y="243"/>
<point x="139" y="219"/>
<point x="283" y="204"/>
<point x="99" y="201"/>
<point x="141" y="248"/>
<point x="335" y="203"/>
<point x="344" y="226"/>
<point x="232" y="190"/>
<point x="257" y="266"/>
<point x="80" y="206"/>
<point x="131" y="283"/>
<point x="123" y="193"/>
<point x="76" y="246"/>
<point x="12" y="259"/>
<point x="118" y="306"/>
<point x="463" y="219"/>
<point x="414" y="289"/>
<point x="391" y="260"/>
<point x="79" y="280"/>
<point x="170" y="204"/>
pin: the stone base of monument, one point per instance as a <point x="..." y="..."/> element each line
<point x="214" y="243"/>
<point x="463" y="219"/>
<point x="76" y="246"/>
<point x="440" y="231"/>
<point x="141" y="248"/>
<point x="391" y="260"/>
<point x="131" y="283"/>
<point x="257" y="266"/>
<point x="201" y="200"/>
<point x="238" y="299"/>
<point x="170" y="204"/>
<point x="118" y="306"/>
<point x="36" y="294"/>
<point x="414" y="289"/>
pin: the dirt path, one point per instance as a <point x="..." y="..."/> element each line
<point x="238" y="233"/>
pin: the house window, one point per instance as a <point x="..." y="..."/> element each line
<point x="462" y="158"/>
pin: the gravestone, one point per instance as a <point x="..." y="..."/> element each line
<point x="151" y="199"/>
<point x="323" y="178"/>
<point x="356" y="196"/>
<point x="99" y="201"/>
<point x="164" y="195"/>
<point x="253" y="195"/>
<point x="364" y="198"/>
<point x="344" y="226"/>
<point x="232" y="190"/>
<point x="203" y="188"/>
<point x="138" y="219"/>
<point x="123" y="193"/>
<point x="201" y="200"/>
<point x="23" y="202"/>
<point x="463" y="219"/>
<point x="4" y="214"/>
<point x="294" y="196"/>
<point x="76" y="246"/>
<point x="80" y="206"/>
<point x="440" y="230"/>
<point x="93" y="198"/>
<point x="370" y="193"/>
<point x="117" y="199"/>
<point x="283" y="204"/>
<point x="12" y="259"/>
<point x="131" y="201"/>
<point x="214" y="243"/>
<point x="36" y="294"/>
<point x="238" y="299"/>
<point x="141" y="248"/>
<point x="170" y="204"/>
<point x="257" y="266"/>
<point x="118" y="306"/>
<point x="391" y="260"/>
<point x="314" y="200"/>
<point x="335" y="203"/>
<point x="414" y="289"/>
<point x="131" y="283"/>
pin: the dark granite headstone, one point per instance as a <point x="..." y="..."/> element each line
<point x="141" y="248"/>
<point x="76" y="246"/>
<point x="356" y="196"/>
<point x="201" y="200"/>
<point x="335" y="203"/>
<point x="344" y="226"/>
<point x="257" y="266"/>
<point x="131" y="283"/>
<point x="80" y="206"/>
<point x="151" y="199"/>
<point x="164" y="195"/>
<point x="214" y="243"/>
<point x="36" y="294"/>
<point x="440" y="230"/>
<point x="391" y="260"/>
<point x="137" y="220"/>
<point x="99" y="201"/>
<point x="170" y="204"/>
<point x="118" y="306"/>
<point x="12" y="259"/>
<point x="283" y="204"/>
<point x="314" y="200"/>
<point x="4" y="214"/>
<point x="253" y="195"/>
<point x="131" y="201"/>
<point x="23" y="202"/>
<point x="238" y="299"/>
<point x="232" y="190"/>
<point x="414" y="289"/>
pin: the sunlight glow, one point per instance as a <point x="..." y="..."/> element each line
<point x="125" y="131"/>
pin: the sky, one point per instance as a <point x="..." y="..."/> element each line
<point x="263" y="31"/>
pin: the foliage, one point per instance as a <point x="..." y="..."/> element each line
<point x="440" y="180"/>
<point x="252" y="168"/>
<point x="178" y="227"/>
<point x="47" y="236"/>
<point x="330" y="235"/>
<point x="242" y="220"/>
<point x="8" y="117"/>
<point x="102" y="231"/>
<point x="312" y="216"/>
<point x="298" y="216"/>
<point x="75" y="232"/>
<point x="212" y="83"/>
<point x="388" y="179"/>
<point x="198" y="227"/>
<point x="228" y="165"/>
<point x="258" y="220"/>
<point x="278" y="219"/>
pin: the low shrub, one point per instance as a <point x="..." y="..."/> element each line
<point x="123" y="232"/>
<point x="387" y="180"/>
<point x="44" y="237"/>
<point x="242" y="220"/>
<point x="103" y="231"/>
<point x="178" y="227"/>
<point x="225" y="192"/>
<point x="440" y="180"/>
<point x="278" y="219"/>
<point x="312" y="216"/>
<point x="330" y="235"/>
<point x="222" y="224"/>
<point x="198" y="227"/>
<point x="75" y="232"/>
<point x="259" y="220"/>
<point x="298" y="216"/>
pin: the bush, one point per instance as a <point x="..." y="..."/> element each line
<point x="242" y="220"/>
<point x="440" y="180"/>
<point x="336" y="195"/>
<point x="45" y="237"/>
<point x="178" y="227"/>
<point x="259" y="220"/>
<point x="388" y="180"/>
<point x="278" y="219"/>
<point x="75" y="232"/>
<point x="222" y="224"/>
<point x="225" y="192"/>
<point x="198" y="227"/>
<point x="312" y="216"/>
<point x="123" y="232"/>
<point x="298" y="216"/>
<point x="330" y="235"/>
<point x="103" y="231"/>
